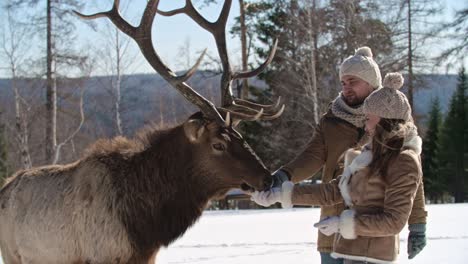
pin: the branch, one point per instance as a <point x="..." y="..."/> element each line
<point x="72" y="135"/>
<point x="261" y="68"/>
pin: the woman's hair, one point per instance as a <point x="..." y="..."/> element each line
<point x="387" y="143"/>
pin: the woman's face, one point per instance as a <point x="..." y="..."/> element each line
<point x="371" y="123"/>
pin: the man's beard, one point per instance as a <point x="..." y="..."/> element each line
<point x="353" y="100"/>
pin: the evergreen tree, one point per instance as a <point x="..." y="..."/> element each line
<point x="452" y="149"/>
<point x="313" y="38"/>
<point x="433" y="184"/>
<point x="465" y="134"/>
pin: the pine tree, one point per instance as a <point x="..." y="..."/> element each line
<point x="433" y="184"/>
<point x="313" y="39"/>
<point x="452" y="149"/>
<point x="465" y="134"/>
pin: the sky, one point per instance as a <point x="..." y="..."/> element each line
<point x="173" y="33"/>
<point x="170" y="34"/>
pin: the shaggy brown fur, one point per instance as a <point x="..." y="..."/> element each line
<point x="154" y="186"/>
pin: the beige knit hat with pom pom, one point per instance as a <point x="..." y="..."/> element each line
<point x="363" y="66"/>
<point x="388" y="102"/>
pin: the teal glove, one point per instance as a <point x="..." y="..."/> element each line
<point x="416" y="239"/>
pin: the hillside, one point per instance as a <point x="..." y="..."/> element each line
<point x="147" y="98"/>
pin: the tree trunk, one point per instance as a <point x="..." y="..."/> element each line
<point x="12" y="52"/>
<point x="245" y="83"/>
<point x="117" y="85"/>
<point x="51" y="94"/>
<point x="410" y="58"/>
<point x="460" y="182"/>
<point x="313" y="77"/>
<point x="161" y="115"/>
<point x="461" y="151"/>
<point x="21" y="127"/>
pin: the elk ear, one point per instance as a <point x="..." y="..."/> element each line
<point x="194" y="129"/>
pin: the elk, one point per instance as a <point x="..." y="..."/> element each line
<point x="126" y="198"/>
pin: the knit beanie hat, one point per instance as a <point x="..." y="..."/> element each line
<point x="363" y="66"/>
<point x="388" y="102"/>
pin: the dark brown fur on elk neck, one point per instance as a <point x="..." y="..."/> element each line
<point x="143" y="176"/>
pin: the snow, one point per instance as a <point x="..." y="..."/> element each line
<point x="288" y="236"/>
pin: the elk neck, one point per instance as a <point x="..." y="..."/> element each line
<point x="162" y="195"/>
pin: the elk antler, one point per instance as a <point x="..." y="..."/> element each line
<point x="142" y="36"/>
<point x="250" y="111"/>
<point x="240" y="109"/>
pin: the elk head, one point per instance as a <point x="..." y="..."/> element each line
<point x="213" y="133"/>
<point x="225" y="155"/>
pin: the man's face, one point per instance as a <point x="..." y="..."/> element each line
<point x="355" y="90"/>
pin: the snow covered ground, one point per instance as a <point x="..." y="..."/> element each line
<point x="288" y="236"/>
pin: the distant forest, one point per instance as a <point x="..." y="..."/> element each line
<point x="53" y="106"/>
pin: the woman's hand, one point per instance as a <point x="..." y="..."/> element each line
<point x="329" y="226"/>
<point x="275" y="195"/>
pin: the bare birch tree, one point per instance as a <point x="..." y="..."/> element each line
<point x="56" y="23"/>
<point x="73" y="115"/>
<point x="243" y="36"/>
<point x="308" y="23"/>
<point x="118" y="60"/>
<point x="69" y="139"/>
<point x="184" y="56"/>
<point x="15" y="46"/>
<point x="115" y="65"/>
<point x="3" y="153"/>
<point x="457" y="51"/>
<point x="413" y="28"/>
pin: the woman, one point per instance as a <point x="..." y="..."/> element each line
<point x="378" y="186"/>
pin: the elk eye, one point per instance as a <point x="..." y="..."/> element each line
<point x="219" y="146"/>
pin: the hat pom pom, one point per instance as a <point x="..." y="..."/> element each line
<point x="393" y="80"/>
<point x="364" y="51"/>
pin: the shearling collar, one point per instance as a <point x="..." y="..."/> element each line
<point x="359" y="162"/>
<point x="356" y="160"/>
<point x="414" y="143"/>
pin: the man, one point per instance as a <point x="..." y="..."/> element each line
<point x="340" y="129"/>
